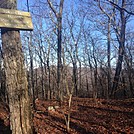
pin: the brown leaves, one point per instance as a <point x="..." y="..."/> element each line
<point x="106" y="117"/>
<point x="89" y="117"/>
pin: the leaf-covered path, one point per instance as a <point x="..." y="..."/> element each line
<point x="87" y="117"/>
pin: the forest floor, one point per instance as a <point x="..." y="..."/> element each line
<point x="87" y="117"/>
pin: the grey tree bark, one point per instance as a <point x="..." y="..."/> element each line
<point x="16" y="81"/>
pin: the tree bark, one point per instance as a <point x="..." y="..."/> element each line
<point x="16" y="81"/>
<point x="121" y="40"/>
<point x="59" y="44"/>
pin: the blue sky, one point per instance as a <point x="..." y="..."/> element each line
<point x="22" y="4"/>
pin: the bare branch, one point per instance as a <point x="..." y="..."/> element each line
<point x="53" y="9"/>
<point x="120" y="8"/>
<point x="99" y="4"/>
<point x="61" y="7"/>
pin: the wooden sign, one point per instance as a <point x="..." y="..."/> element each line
<point x="15" y="19"/>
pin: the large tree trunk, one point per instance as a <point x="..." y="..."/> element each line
<point x="16" y="82"/>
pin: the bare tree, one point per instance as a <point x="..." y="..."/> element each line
<point x="120" y="32"/>
<point x="58" y="15"/>
<point x="117" y="13"/>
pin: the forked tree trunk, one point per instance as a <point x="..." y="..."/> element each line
<point x="58" y="16"/>
<point x="16" y="81"/>
<point x="121" y="40"/>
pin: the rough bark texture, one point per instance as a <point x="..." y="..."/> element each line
<point x="16" y="81"/>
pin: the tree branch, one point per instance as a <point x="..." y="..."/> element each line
<point x="120" y="8"/>
<point x="53" y="9"/>
<point x="61" y="7"/>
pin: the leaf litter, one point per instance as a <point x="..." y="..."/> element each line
<point x="87" y="117"/>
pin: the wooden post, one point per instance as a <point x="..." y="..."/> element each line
<point x="16" y="81"/>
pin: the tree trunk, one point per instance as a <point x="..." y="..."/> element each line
<point x="16" y="82"/>
<point x="108" y="59"/>
<point x="59" y="68"/>
<point x="49" y="73"/>
<point x="59" y="44"/>
<point x="31" y="69"/>
<point x="121" y="40"/>
<point x="95" y="92"/>
<point x="75" y="78"/>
